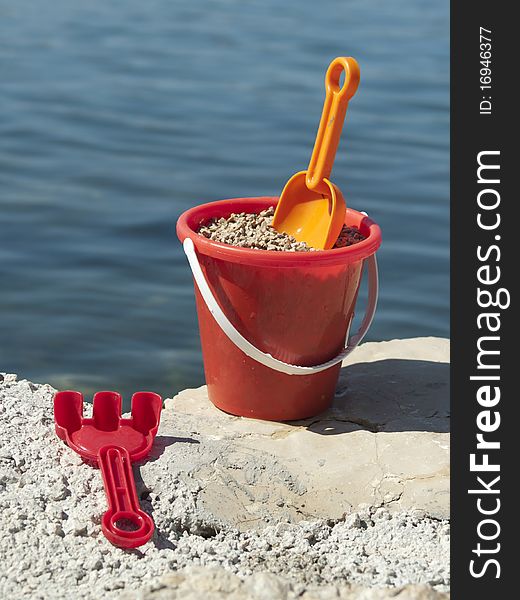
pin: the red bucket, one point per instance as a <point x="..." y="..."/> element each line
<point x="273" y="324"/>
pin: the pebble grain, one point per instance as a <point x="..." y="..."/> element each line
<point x="255" y="231"/>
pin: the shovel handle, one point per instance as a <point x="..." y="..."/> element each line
<point x="124" y="523"/>
<point x="331" y="123"/>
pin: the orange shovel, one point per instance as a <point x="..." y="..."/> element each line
<point x="311" y="208"/>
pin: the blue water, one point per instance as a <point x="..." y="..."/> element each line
<point x="117" y="116"/>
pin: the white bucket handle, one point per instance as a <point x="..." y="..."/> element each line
<point x="262" y="357"/>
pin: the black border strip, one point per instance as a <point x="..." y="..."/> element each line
<point x="473" y="132"/>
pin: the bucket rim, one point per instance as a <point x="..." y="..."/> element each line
<point x="191" y="219"/>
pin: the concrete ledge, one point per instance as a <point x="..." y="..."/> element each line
<point x="385" y="442"/>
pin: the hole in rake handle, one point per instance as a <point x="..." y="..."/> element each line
<point x="127" y="522"/>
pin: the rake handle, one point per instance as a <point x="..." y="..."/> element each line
<point x="123" y="505"/>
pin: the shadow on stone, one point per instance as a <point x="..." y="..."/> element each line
<point x="143" y="491"/>
<point x="388" y="395"/>
<point x="162" y="441"/>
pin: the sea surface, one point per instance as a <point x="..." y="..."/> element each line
<point x="116" y="116"/>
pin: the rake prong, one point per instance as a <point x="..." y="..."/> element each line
<point x="146" y="412"/>
<point x="68" y="412"/>
<point x="107" y="410"/>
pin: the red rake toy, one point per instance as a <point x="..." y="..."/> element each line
<point x="113" y="443"/>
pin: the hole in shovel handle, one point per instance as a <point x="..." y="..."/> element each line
<point x="348" y="66"/>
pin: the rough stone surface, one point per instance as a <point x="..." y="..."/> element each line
<point x="318" y="509"/>
<point x="195" y="583"/>
<point x="385" y="442"/>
